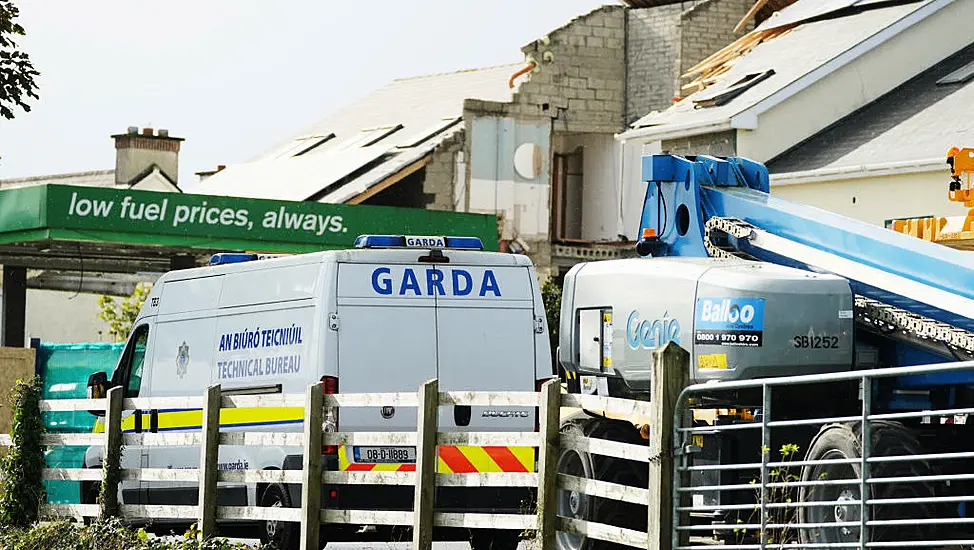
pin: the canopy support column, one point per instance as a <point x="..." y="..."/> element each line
<point x="13" y="321"/>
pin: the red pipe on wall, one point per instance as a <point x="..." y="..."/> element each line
<point x="523" y="71"/>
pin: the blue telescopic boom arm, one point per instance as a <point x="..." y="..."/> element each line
<point x="684" y="192"/>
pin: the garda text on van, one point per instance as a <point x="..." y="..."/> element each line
<point x="435" y="282"/>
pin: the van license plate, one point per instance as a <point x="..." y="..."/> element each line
<point x="385" y="455"/>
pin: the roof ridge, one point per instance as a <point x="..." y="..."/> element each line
<point x="459" y="71"/>
<point x="58" y="176"/>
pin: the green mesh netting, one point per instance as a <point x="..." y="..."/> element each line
<point x="65" y="368"/>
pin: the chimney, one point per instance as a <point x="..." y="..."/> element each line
<point x="138" y="153"/>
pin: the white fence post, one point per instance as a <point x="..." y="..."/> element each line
<point x="550" y="416"/>
<point x="311" y="466"/>
<point x="429" y="402"/>
<point x="209" y="456"/>
<point x="113" y="449"/>
<point x="670" y="376"/>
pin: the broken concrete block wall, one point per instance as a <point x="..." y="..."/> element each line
<point x="665" y="42"/>
<point x="592" y="77"/>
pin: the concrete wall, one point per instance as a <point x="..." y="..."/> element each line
<point x="441" y="174"/>
<point x="666" y="41"/>
<point x="593" y="76"/>
<point x="582" y="86"/>
<point x="599" y="200"/>
<point x="135" y="154"/>
<point x="652" y="57"/>
<point x="578" y="87"/>
<point x="708" y="26"/>
<point x="510" y="174"/>
<point x="875" y="200"/>
<point x="633" y="186"/>
<point x="717" y="144"/>
<point x="15" y="364"/>
<point x="64" y="317"/>
<point x="605" y="177"/>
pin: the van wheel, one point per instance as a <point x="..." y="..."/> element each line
<point x="280" y="535"/>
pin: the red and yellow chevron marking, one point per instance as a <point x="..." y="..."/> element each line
<point x="457" y="460"/>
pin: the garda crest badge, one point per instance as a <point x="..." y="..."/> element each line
<point x="182" y="359"/>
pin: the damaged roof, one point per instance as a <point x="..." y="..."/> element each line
<point x="787" y="47"/>
<point x="808" y="11"/>
<point x="919" y="120"/>
<point x="341" y="157"/>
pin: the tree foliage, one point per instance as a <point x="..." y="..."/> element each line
<point x="551" y="297"/>
<point x="120" y="316"/>
<point x="17" y="72"/>
<point x="22" y="488"/>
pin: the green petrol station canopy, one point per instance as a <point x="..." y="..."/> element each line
<point x="94" y="229"/>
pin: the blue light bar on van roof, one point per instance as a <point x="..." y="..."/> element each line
<point x="231" y="258"/>
<point x="418" y="241"/>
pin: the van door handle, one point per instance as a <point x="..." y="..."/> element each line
<point x="154" y="420"/>
<point x="138" y="421"/>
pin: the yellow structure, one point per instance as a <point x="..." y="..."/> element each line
<point x="955" y="232"/>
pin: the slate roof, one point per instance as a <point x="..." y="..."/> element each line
<point x="97" y="178"/>
<point x="809" y="10"/>
<point x="345" y="154"/>
<point x="919" y="120"/>
<point x="791" y="56"/>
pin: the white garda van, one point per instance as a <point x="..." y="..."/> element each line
<point x="386" y="316"/>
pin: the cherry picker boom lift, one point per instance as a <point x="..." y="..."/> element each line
<point x="757" y="287"/>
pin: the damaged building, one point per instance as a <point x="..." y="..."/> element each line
<point x="532" y="142"/>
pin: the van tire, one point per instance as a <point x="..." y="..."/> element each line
<point x="280" y="535"/>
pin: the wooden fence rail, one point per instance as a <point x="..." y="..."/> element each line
<point x="669" y="375"/>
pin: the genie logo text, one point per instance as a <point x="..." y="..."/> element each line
<point x="729" y="322"/>
<point x="651" y="333"/>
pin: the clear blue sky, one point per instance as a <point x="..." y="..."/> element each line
<point x="235" y="76"/>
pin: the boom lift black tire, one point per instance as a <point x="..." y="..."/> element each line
<point x="836" y="441"/>
<point x="280" y="535"/>
<point x="592" y="466"/>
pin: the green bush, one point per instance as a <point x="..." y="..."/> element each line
<point x="103" y="535"/>
<point x="22" y="488"/>
<point x="551" y="297"/>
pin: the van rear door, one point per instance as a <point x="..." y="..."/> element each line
<point x="486" y="342"/>
<point x="386" y="344"/>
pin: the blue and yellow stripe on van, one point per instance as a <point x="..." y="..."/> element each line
<point x="172" y="420"/>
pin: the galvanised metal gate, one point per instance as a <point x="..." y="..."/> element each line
<point x="867" y="459"/>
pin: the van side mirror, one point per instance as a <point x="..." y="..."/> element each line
<point x="98" y="389"/>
